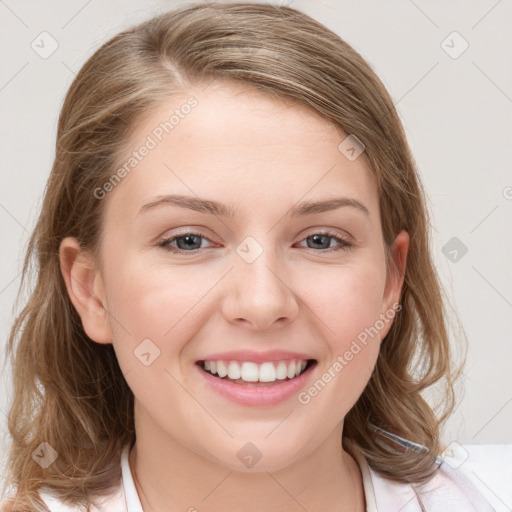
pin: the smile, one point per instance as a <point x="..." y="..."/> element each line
<point x="253" y="384"/>
<point x="248" y="371"/>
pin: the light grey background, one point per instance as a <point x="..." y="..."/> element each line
<point x="456" y="112"/>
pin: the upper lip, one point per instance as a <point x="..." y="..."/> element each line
<point x="255" y="357"/>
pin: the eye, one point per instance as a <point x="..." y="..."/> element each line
<point x="322" y="241"/>
<point x="189" y="242"/>
<point x="186" y="242"/>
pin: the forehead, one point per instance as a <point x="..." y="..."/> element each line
<point x="239" y="145"/>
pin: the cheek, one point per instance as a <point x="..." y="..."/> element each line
<point x="348" y="303"/>
<point x="148" y="286"/>
<point x="347" y="299"/>
<point x="157" y="310"/>
<point x="155" y="302"/>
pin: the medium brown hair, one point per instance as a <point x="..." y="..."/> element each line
<point x="68" y="390"/>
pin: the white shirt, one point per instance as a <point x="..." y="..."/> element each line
<point x="456" y="487"/>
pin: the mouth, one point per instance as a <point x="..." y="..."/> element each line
<point x="252" y="374"/>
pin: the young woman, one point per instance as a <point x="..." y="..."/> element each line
<point x="236" y="306"/>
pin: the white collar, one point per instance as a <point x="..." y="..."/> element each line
<point x="132" y="498"/>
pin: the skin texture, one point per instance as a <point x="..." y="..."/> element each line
<point x="259" y="156"/>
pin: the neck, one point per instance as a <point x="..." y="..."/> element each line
<point x="169" y="476"/>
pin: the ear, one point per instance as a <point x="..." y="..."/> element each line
<point x="85" y="289"/>
<point x="395" y="275"/>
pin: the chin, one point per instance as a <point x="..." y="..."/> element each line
<point x="257" y="456"/>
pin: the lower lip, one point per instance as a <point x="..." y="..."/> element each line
<point x="257" y="396"/>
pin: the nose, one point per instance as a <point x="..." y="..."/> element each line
<point x="258" y="295"/>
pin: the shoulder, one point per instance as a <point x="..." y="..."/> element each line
<point x="114" y="502"/>
<point x="121" y="499"/>
<point x="489" y="467"/>
<point x="469" y="479"/>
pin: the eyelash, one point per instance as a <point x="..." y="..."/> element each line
<point x="344" y="243"/>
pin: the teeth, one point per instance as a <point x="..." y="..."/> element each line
<point x="222" y="371"/>
<point x="267" y="372"/>
<point x="291" y="370"/>
<point x="233" y="371"/>
<point x="253" y="372"/>
<point x="281" y="371"/>
<point x="250" y="372"/>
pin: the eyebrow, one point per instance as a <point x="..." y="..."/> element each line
<point x="215" y="208"/>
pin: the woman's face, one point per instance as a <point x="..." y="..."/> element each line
<point x="214" y="249"/>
